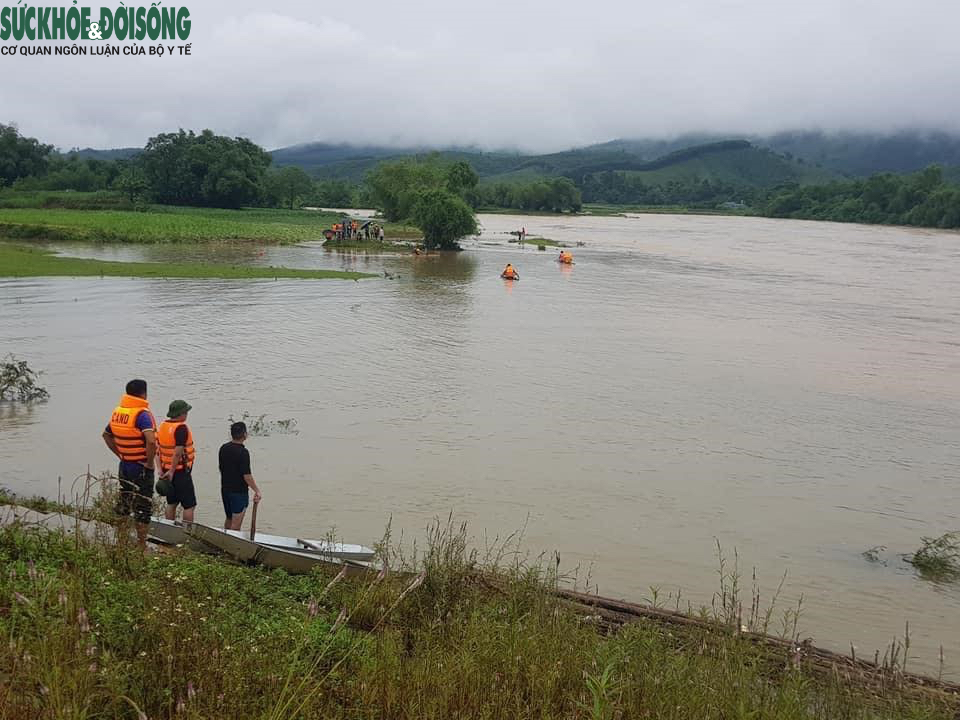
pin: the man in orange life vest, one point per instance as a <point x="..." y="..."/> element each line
<point x="176" y="453"/>
<point x="131" y="436"/>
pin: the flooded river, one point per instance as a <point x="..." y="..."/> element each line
<point x="789" y="389"/>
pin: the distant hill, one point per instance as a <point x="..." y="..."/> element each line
<point x="800" y="156"/>
<point x="821" y="155"/>
<point x="114" y="154"/>
<point x="733" y="162"/>
<point x="862" y="154"/>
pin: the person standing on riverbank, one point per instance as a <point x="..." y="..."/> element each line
<point x="176" y="453"/>
<point x="131" y="436"/>
<point x="236" y="479"/>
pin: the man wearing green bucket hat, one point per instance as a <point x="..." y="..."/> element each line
<point x="176" y="454"/>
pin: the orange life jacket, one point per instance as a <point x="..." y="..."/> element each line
<point x="166" y="444"/>
<point x="130" y="441"/>
<point x="566" y="257"/>
<point x="509" y="272"/>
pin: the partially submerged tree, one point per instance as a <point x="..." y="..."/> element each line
<point x="444" y="218"/>
<point x="19" y="382"/>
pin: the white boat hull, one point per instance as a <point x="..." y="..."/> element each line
<point x="170" y="532"/>
<point x="292" y="561"/>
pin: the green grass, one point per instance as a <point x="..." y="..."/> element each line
<point x="20" y="261"/>
<point x="109" y="217"/>
<point x="96" y="631"/>
<point x="163" y="225"/>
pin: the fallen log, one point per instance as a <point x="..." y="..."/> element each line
<point x="614" y="614"/>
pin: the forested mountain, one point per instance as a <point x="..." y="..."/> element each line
<point x="845" y="154"/>
<point x="863" y="154"/>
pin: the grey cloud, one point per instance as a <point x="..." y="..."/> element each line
<point x="534" y="75"/>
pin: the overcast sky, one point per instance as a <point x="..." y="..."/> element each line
<point x="534" y="75"/>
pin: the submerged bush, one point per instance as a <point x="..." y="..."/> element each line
<point x="938" y="558"/>
<point x="19" y="382"/>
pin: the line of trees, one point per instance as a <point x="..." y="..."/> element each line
<point x="205" y="169"/>
<point x="549" y="195"/>
<point x="181" y="168"/>
<point x="620" y="188"/>
<point x="923" y="199"/>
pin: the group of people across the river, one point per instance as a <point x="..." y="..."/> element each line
<point x="348" y="229"/>
<point x="510" y="272"/>
<point x="161" y="458"/>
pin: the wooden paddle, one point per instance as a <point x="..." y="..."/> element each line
<point x="253" y="521"/>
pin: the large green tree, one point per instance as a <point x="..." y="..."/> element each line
<point x="289" y="185"/>
<point x="21" y="156"/>
<point x="444" y="218"/>
<point x="184" y="168"/>
<point x="395" y="187"/>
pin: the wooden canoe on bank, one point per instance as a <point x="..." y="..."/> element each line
<point x="293" y="561"/>
<point x="171" y="532"/>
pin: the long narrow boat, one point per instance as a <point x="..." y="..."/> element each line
<point x="344" y="551"/>
<point x="292" y="561"/>
<point x="171" y="532"/>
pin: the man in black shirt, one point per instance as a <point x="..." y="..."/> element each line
<point x="236" y="478"/>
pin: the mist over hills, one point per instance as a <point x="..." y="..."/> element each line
<point x="803" y="156"/>
<point x="847" y="154"/>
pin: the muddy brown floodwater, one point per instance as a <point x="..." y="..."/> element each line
<point x="789" y="389"/>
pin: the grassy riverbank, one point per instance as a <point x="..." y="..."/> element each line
<point x="93" y="630"/>
<point x="22" y="261"/>
<point x="108" y="217"/>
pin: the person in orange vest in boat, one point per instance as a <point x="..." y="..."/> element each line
<point x="566" y="257"/>
<point x="176" y="454"/>
<point x="131" y="436"/>
<point x="510" y="273"/>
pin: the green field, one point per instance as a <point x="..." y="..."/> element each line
<point x="108" y="217"/>
<point x="168" y="225"/>
<point x="20" y="261"/>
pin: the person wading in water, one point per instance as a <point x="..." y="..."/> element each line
<point x="131" y="436"/>
<point x="176" y="453"/>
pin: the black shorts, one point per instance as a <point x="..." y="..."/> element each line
<point x="183" y="492"/>
<point x="136" y="494"/>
